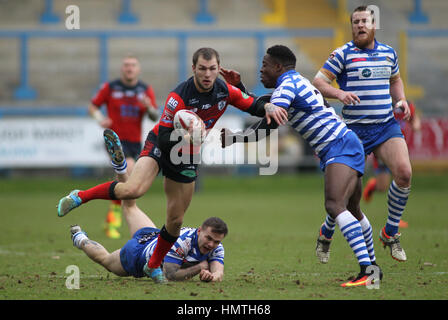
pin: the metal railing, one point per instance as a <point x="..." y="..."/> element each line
<point x="25" y="91"/>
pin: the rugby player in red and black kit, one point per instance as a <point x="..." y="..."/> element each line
<point x="208" y="97"/>
<point x="127" y="100"/>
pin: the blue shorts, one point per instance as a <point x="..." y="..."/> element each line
<point x="131" y="255"/>
<point x="346" y="150"/>
<point x="372" y="135"/>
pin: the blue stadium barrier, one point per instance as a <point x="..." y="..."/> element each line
<point x="48" y="16"/>
<point x="418" y="16"/>
<point x="204" y="16"/>
<point x="25" y="92"/>
<point x="126" y="15"/>
<point x="43" y="111"/>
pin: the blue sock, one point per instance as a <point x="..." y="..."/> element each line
<point x="328" y="227"/>
<point x="397" y="199"/>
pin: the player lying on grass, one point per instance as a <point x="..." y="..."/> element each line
<point x="339" y="149"/>
<point x="196" y="251"/>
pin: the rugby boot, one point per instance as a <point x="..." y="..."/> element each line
<point x="69" y="203"/>
<point x="393" y="242"/>
<point x="156" y="274"/>
<point x="114" y="149"/>
<point x="323" y="248"/>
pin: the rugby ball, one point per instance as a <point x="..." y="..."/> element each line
<point x="183" y="119"/>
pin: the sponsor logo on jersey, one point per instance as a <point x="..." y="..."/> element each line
<point x="172" y="104"/>
<point x="117" y="94"/>
<point x="220" y="95"/>
<point x="221" y="104"/>
<point x="245" y="95"/>
<point x="276" y="94"/>
<point x="157" y="152"/>
<point x="193" y="101"/>
<point x="180" y="252"/>
<point x="375" y="73"/>
<point x="206" y="106"/>
<point x="366" y="73"/>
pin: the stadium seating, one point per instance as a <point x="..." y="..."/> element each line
<point x="65" y="71"/>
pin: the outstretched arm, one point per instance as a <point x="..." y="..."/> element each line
<point x="216" y="272"/>
<point x="261" y="107"/>
<point x="175" y="272"/>
<point x="255" y="132"/>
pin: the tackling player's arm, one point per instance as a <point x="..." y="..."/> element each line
<point x="258" y="107"/>
<point x="258" y="130"/>
<point x="176" y="272"/>
<point x="216" y="272"/>
<point x="255" y="132"/>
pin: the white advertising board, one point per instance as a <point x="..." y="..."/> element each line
<point x="67" y="142"/>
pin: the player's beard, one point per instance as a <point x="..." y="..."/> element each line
<point x="363" y="43"/>
<point x="199" y="84"/>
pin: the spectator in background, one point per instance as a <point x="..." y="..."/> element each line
<point x="127" y="99"/>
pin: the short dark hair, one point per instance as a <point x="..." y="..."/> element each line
<point x="283" y="55"/>
<point x="362" y="9"/>
<point x="217" y="225"/>
<point x="206" y="53"/>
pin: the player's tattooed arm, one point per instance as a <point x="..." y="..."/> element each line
<point x="174" y="272"/>
<point x="255" y="132"/>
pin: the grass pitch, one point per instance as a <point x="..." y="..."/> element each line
<point x="273" y="223"/>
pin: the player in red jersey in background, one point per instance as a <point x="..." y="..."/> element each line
<point x="381" y="181"/>
<point x="127" y="100"/>
<point x="208" y="97"/>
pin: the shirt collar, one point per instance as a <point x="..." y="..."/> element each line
<point x="375" y="46"/>
<point x="283" y="76"/>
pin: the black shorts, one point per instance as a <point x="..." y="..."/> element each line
<point x="131" y="149"/>
<point x="183" y="172"/>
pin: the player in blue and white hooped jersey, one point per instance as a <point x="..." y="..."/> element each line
<point x="339" y="149"/>
<point x="196" y="250"/>
<point x="370" y="87"/>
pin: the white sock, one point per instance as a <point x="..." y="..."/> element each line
<point x="79" y="238"/>
<point x="368" y="236"/>
<point x="351" y="229"/>
<point x="122" y="169"/>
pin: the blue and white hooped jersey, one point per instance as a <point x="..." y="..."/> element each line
<point x="307" y="114"/>
<point x="366" y="73"/>
<point x="186" y="249"/>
